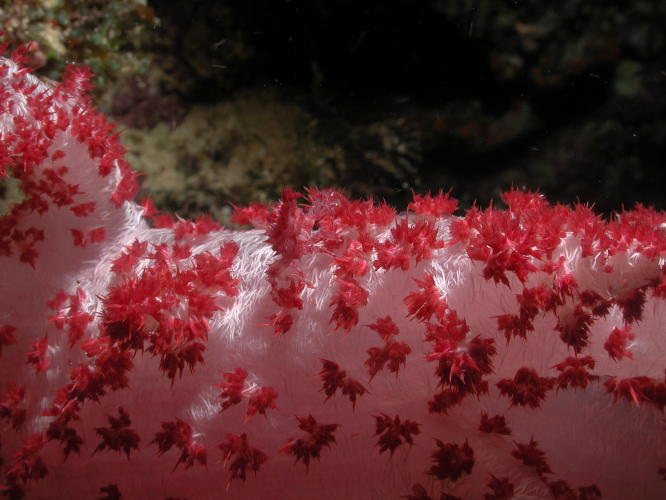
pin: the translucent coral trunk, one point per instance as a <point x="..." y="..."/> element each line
<point x="336" y="350"/>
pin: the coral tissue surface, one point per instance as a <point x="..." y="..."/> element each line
<point x="336" y="349"/>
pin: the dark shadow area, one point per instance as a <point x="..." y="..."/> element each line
<point x="485" y="94"/>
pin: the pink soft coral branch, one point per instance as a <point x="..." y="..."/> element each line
<point x="522" y="351"/>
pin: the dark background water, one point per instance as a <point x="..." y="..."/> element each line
<point x="473" y="95"/>
<point x="563" y="96"/>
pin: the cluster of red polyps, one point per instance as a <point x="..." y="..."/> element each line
<point x="502" y="353"/>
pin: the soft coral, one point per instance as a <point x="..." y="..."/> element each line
<point x="111" y="302"/>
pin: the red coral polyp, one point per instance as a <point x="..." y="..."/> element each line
<point x="338" y="349"/>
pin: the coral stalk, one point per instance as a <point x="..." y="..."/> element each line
<point x="500" y="354"/>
